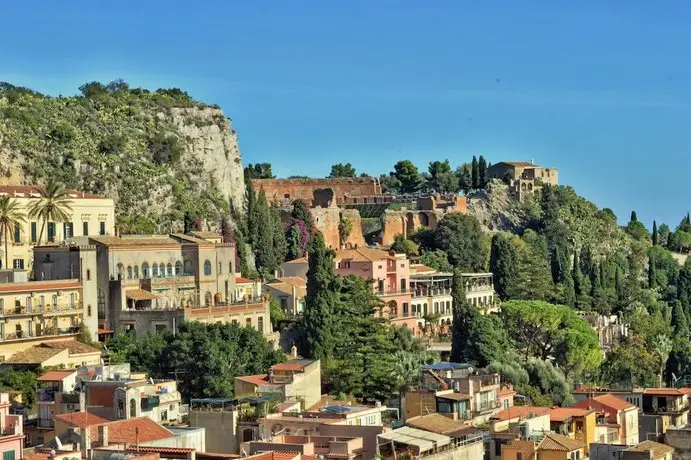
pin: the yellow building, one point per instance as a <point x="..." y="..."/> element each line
<point x="90" y="215"/>
<point x="34" y="312"/>
<point x="576" y="423"/>
<point x="559" y="447"/>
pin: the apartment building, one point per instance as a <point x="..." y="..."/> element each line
<point x="152" y="283"/>
<point x="33" y="312"/>
<point x="323" y="447"/>
<point x="113" y="392"/>
<point x="295" y="380"/>
<point x="90" y="215"/>
<point x="290" y="293"/>
<point x="519" y="423"/>
<point x="11" y="431"/>
<point x="479" y="291"/>
<point x="616" y="419"/>
<point x="575" y="423"/>
<point x="431" y="293"/>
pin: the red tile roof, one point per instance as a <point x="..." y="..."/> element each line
<point x="40" y="286"/>
<point x="241" y="280"/>
<point x="261" y="379"/>
<point x="81" y="419"/>
<point x="561" y="414"/>
<point x="55" y="376"/>
<point x="125" y="431"/>
<point x="520" y="412"/>
<point x="663" y="392"/>
<point x="607" y="400"/>
<point x="288" y="366"/>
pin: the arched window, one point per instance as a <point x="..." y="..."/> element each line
<point x="154" y="271"/>
<point x="129" y="272"/>
<point x="120" y="271"/>
<point x="207" y="299"/>
<point x="162" y="269"/>
<point x="135" y="272"/>
<point x="178" y="268"/>
<point x="169" y="269"/>
<point x="207" y="268"/>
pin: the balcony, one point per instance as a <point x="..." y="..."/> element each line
<point x="485" y="407"/>
<point x="671" y="409"/>
<point x="418" y="293"/>
<point x="46" y="396"/>
<point x="48" y="332"/>
<point x="49" y="310"/>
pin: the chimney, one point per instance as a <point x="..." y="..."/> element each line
<point x="103" y="435"/>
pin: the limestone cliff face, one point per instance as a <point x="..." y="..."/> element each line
<point x="496" y="209"/>
<point x="215" y="145"/>
<point x="159" y="154"/>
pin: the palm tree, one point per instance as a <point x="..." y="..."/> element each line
<point x="10" y="217"/>
<point x="54" y="205"/>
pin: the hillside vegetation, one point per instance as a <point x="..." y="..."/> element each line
<point x="154" y="152"/>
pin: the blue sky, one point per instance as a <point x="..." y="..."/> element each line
<point x="600" y="91"/>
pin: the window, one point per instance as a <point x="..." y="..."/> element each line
<point x="17" y="233"/>
<point x="42" y="301"/>
<point x="73" y="300"/>
<point x="145" y="270"/>
<point x="162" y="270"/>
<point x="436" y="307"/>
<point x="178" y="268"/>
<point x="260" y="324"/>
<point x="207" y="268"/>
<point x="248" y="322"/>
<point x="169" y="269"/>
<point x="120" y="271"/>
<point x="135" y="272"/>
<point x="234" y="322"/>
<point x="129" y="272"/>
<point x="67" y="230"/>
<point x="88" y="275"/>
<point x="18" y="264"/>
<point x="160" y="328"/>
<point x="102" y="228"/>
<point x="88" y="310"/>
<point x="154" y="271"/>
<point x="8" y="455"/>
<point x="405" y="308"/>
<point x="34" y="233"/>
<point x="230" y="268"/>
<point x="85" y="228"/>
<point x="55" y="300"/>
<point x="220" y="268"/>
<point x="51" y="231"/>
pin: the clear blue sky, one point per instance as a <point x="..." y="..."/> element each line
<point x="600" y="91"/>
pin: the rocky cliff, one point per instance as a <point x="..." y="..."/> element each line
<point x="159" y="154"/>
<point x="497" y="210"/>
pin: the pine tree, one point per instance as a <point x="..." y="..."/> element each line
<point x="502" y="264"/>
<point x="475" y="173"/>
<point x="655" y="235"/>
<point x="320" y="300"/>
<point x="634" y="217"/>
<point x="482" y="171"/>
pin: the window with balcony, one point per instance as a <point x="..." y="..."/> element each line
<point x="178" y="268"/>
<point x="145" y="270"/>
<point x="67" y="230"/>
<point x="55" y="300"/>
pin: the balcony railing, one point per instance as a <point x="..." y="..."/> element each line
<point x="671" y="409"/>
<point x="40" y="309"/>
<point x="486" y="406"/>
<point x="431" y="292"/>
<point x="44" y="333"/>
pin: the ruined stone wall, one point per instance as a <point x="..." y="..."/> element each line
<point x="326" y="220"/>
<point x="394" y="223"/>
<point x="408" y="221"/>
<point x="278" y="190"/>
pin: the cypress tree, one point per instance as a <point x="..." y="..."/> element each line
<point x="679" y="320"/>
<point x="482" y="171"/>
<point x="502" y="264"/>
<point x="320" y="301"/>
<point x="461" y="319"/>
<point x="293" y="243"/>
<point x="651" y="272"/>
<point x="264" y="244"/>
<point x="577" y="277"/>
<point x="655" y="236"/>
<point x="279" y="237"/>
<point x="604" y="282"/>
<point x="252" y="214"/>
<point x="634" y="217"/>
<point x="475" y="173"/>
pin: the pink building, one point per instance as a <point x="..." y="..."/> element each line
<point x="11" y="431"/>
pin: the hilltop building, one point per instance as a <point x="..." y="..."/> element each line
<point x="523" y="177"/>
<point x="90" y="215"/>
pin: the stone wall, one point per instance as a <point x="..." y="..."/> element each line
<point x="279" y="190"/>
<point x="326" y="220"/>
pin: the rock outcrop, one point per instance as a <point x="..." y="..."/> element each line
<point x="496" y="209"/>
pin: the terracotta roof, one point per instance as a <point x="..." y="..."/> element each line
<point x="437" y="423"/>
<point x="125" y="431"/>
<point x="34" y="191"/>
<point x="520" y="412"/>
<point x="55" y="376"/>
<point x="34" y="355"/>
<point x="422" y="269"/>
<point x="658" y="450"/>
<point x="455" y="396"/>
<point x="301" y="260"/>
<point x="273" y="455"/>
<point x="362" y="254"/>
<point x="685" y="390"/>
<point x="663" y="392"/>
<point x="73" y="346"/>
<point x="261" y="379"/>
<point x="51" y="285"/>
<point x="554" y="441"/>
<point x="561" y="414"/>
<point x="37" y="457"/>
<point x="81" y="419"/>
<point x="607" y="400"/>
<point x="241" y="280"/>
<point x="294" y="365"/>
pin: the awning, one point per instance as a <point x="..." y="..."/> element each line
<point x="140" y="294"/>
<point x="423" y="440"/>
<point x="105" y="331"/>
